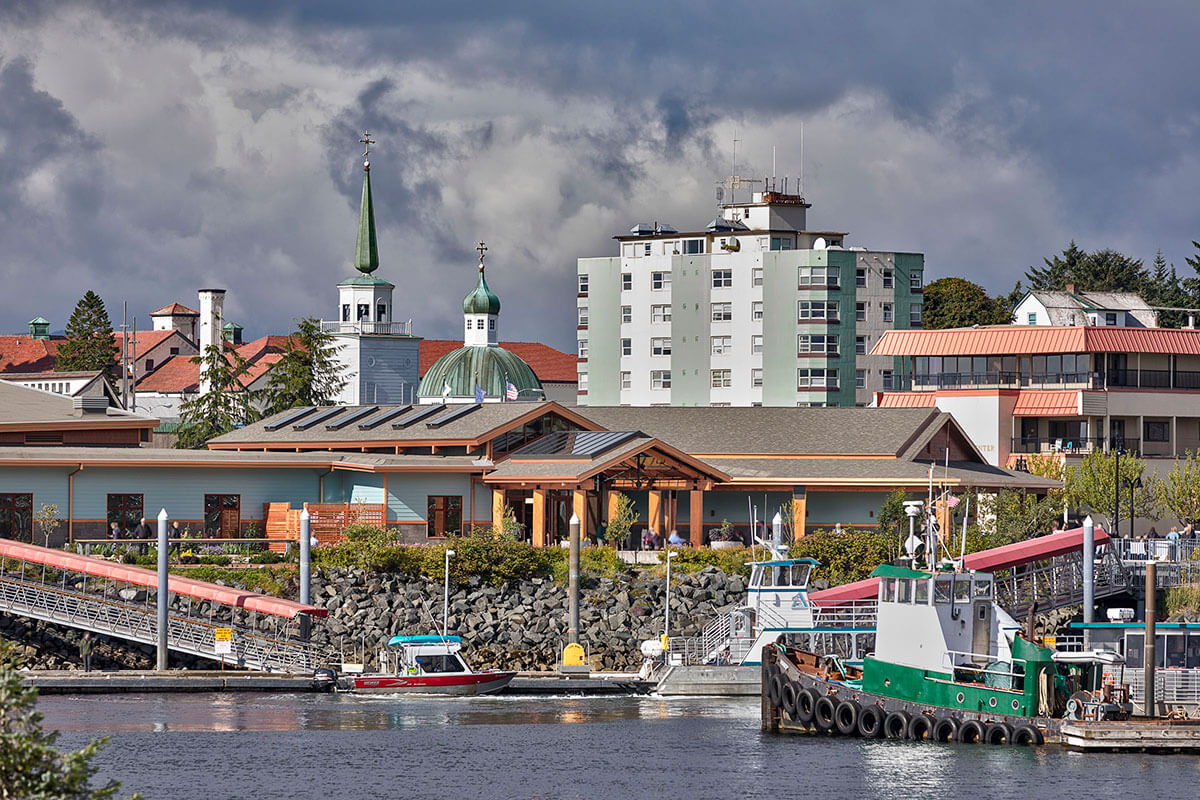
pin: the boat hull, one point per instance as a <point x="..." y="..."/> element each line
<point x="454" y="684"/>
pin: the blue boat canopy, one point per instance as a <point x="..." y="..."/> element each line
<point x="425" y="639"/>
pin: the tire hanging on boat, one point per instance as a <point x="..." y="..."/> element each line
<point x="920" y="727"/>
<point x="845" y="717"/>
<point x="774" y="689"/>
<point x="895" y="725"/>
<point x="806" y="702"/>
<point x="787" y="698"/>
<point x="1027" y="736"/>
<point x="972" y="732"/>
<point x="999" y="733"/>
<point x="945" y="730"/>
<point x="870" y="722"/>
<point x="823" y="713"/>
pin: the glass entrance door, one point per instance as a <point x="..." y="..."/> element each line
<point x="222" y="516"/>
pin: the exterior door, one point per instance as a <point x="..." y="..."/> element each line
<point x="222" y="516"/>
<point x="1116" y="433"/>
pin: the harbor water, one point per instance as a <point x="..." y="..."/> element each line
<point x="321" y="746"/>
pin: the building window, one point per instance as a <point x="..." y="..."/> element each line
<point x="1156" y="431"/>
<point x="124" y="509"/>
<point x="817" y="343"/>
<point x="444" y="516"/>
<point x="583" y="284"/>
<point x="860" y="278"/>
<point x="345" y="312"/>
<point x="1110" y="318"/>
<point x="693" y="247"/>
<point x="818" y="309"/>
<point x="860" y="312"/>
<point x="174" y="351"/>
<point x="626" y="313"/>
<point x="627" y="347"/>
<point x="756" y="378"/>
<point x="782" y="243"/>
<point x="660" y="313"/>
<point x="756" y="276"/>
<point x="722" y="312"/>
<point x="887" y="279"/>
<point x="756" y="344"/>
<point x="583" y="381"/>
<point x="722" y="345"/>
<point x="887" y="380"/>
<point x="914" y="314"/>
<point x="149" y="364"/>
<point x="470" y="323"/>
<point x="860" y="379"/>
<point x="223" y="515"/>
<point x="816" y="378"/>
<point x="1032" y="318"/>
<point x="491" y="324"/>
<point x="915" y="280"/>
<point x="660" y="346"/>
<point x="887" y="312"/>
<point x="660" y="379"/>
<point x="626" y="380"/>
<point x="860" y="345"/>
<point x="722" y="378"/>
<point x="722" y="278"/>
<point x="626" y="281"/>
<point x="646" y="249"/>
<point x="660" y="281"/>
<point x="819" y="276"/>
<point x="583" y="316"/>
<point x="364" y="311"/>
<point x="381" y="312"/>
<point x="583" y="350"/>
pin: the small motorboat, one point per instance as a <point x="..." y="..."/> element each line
<point x="429" y="664"/>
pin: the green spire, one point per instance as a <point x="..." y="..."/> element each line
<point x="481" y="300"/>
<point x="366" y="251"/>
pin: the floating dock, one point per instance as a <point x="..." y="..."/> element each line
<point x="1162" y="735"/>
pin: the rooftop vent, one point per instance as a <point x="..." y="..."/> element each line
<point x="86" y="406"/>
<point x="722" y="224"/>
<point x="652" y="229"/>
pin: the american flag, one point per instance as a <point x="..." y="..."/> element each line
<point x="951" y="501"/>
<point x="510" y="391"/>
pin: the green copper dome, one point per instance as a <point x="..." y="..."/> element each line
<point x="485" y="366"/>
<point x="481" y="300"/>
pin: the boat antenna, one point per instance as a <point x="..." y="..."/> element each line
<point x="441" y="631"/>
<point x="962" y="553"/>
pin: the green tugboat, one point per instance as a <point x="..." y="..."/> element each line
<point x="949" y="665"/>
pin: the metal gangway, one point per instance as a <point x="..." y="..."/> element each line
<point x="264" y="633"/>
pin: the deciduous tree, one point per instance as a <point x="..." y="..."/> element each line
<point x="1178" y="492"/>
<point x="1092" y="485"/>
<point x="959" y="303"/>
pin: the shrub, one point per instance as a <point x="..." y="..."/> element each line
<point x="732" y="562"/>
<point x="268" y="557"/>
<point x="257" y="579"/>
<point x="845" y="557"/>
<point x="217" y="560"/>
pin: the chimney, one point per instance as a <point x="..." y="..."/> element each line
<point x="212" y="313"/>
<point x="1191" y="320"/>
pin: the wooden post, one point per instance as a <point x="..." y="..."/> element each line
<point x="799" y="510"/>
<point x="498" y="506"/>
<point x="696" y="518"/>
<point x="654" y="517"/>
<point x="611" y="512"/>
<point x="579" y="506"/>
<point x="539" y="518"/>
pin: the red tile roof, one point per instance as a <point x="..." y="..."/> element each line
<point x="1002" y="340"/>
<point x="547" y="363"/>
<point x="20" y="353"/>
<point x="175" y="309"/>
<point x="145" y="341"/>
<point x="179" y="374"/>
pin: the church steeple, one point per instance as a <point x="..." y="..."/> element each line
<point x="480" y="309"/>
<point x="366" y="251"/>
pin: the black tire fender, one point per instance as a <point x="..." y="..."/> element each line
<point x="945" y="730"/>
<point x="895" y="724"/>
<point x="845" y="717"/>
<point x="999" y="733"/>
<point x="1027" y="736"/>
<point x="920" y="727"/>
<point x="972" y="732"/>
<point x="823" y="713"/>
<point x="774" y="689"/>
<point x="806" y="704"/>
<point x="787" y="698"/>
<point x="870" y="722"/>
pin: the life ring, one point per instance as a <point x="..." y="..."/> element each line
<point x="945" y="730"/>
<point x="806" y="703"/>
<point x="920" y="727"/>
<point x="999" y="733"/>
<point x="787" y="698"/>
<point x="1027" y="736"/>
<point x="823" y="713"/>
<point x="895" y="725"/>
<point x="972" y="732"/>
<point x="845" y="717"/>
<point x="870" y="722"/>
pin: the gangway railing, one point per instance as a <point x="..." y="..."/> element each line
<point x="120" y="601"/>
<point x="855" y="614"/>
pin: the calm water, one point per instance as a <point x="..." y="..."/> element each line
<point x="323" y="746"/>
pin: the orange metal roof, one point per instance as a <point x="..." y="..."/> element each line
<point x="907" y="400"/>
<point x="1036" y="403"/>
<point x="1002" y="340"/>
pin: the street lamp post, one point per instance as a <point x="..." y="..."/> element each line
<point x="1132" y="485"/>
<point x="1117" y="494"/>
<point x="446" y="594"/>
<point x="667" y="600"/>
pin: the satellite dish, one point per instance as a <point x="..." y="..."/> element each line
<point x="819" y="243"/>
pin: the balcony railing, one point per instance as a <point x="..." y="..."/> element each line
<point x="1112" y="379"/>
<point x="1072" y="444"/>
<point x="367" y="327"/>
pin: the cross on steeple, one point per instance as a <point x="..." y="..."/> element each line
<point x="482" y="249"/>
<point x="366" y="141"/>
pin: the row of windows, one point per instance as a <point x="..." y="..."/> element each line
<point x="723" y="345"/>
<point x="808" y="378"/>
<point x="808" y="277"/>
<point x="718" y="379"/>
<point x="825" y="310"/>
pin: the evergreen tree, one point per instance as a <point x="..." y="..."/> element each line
<point x="308" y="374"/>
<point x="959" y="303"/>
<point x="30" y="765"/>
<point x="1058" y="271"/>
<point x="89" y="344"/>
<point x="1164" y="290"/>
<point x="226" y="405"/>
<point x="1099" y="271"/>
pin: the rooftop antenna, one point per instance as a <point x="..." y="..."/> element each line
<point x="800" y="182"/>
<point x="772" y="167"/>
<point x="733" y="166"/>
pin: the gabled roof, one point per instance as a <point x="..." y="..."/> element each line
<point x="548" y="364"/>
<point x="584" y="468"/>
<point x="175" y="310"/>
<point x="33" y="409"/>
<point x="179" y="374"/>
<point x="21" y="353"/>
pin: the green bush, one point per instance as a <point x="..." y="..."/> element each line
<point x="268" y="557"/>
<point x="735" y="561"/>
<point x="256" y="579"/>
<point x="146" y="561"/>
<point x="845" y="557"/>
<point x="220" y="561"/>
<point x="599" y="561"/>
<point x="1185" y="597"/>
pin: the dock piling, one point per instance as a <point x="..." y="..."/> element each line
<point x="573" y="584"/>
<point x="1089" y="579"/>
<point x="1149" y="699"/>
<point x="162" y="590"/>
<point x="305" y="569"/>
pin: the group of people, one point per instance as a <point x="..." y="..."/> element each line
<point x="652" y="541"/>
<point x="144" y="530"/>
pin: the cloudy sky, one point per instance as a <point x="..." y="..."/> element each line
<point x="151" y="149"/>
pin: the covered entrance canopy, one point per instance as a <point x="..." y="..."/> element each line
<point x="582" y="472"/>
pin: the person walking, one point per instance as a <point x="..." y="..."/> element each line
<point x="85" y="651"/>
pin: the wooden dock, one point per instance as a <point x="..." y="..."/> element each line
<point x="1167" y="735"/>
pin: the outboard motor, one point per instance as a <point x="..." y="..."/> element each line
<point x="324" y="679"/>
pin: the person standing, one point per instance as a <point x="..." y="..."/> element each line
<point x="85" y="649"/>
<point x="114" y="531"/>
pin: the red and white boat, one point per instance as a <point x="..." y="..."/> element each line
<point x="427" y="665"/>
